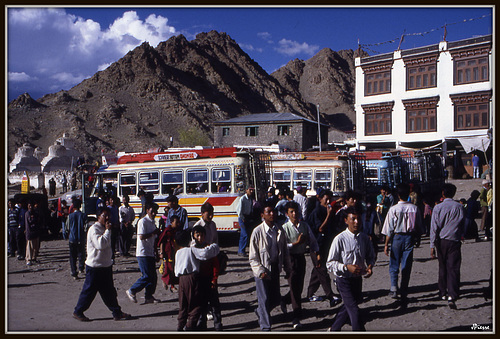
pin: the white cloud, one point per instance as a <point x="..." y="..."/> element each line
<point x="19" y="77"/>
<point x="249" y="47"/>
<point x="290" y="48"/>
<point x="266" y="36"/>
<point x="59" y="49"/>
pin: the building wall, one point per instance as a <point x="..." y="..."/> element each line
<point x="303" y="135"/>
<point x="445" y="109"/>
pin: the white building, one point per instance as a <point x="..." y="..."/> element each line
<point x="430" y="96"/>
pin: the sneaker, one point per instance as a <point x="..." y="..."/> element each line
<point x="452" y="305"/>
<point x="75" y="276"/>
<point x="334" y="301"/>
<point x="443" y="297"/>
<point x="123" y="316"/>
<point x="173" y="289"/>
<point x="241" y="254"/>
<point x="20" y="257"/>
<point x="393" y="294"/>
<point x="81" y="317"/>
<point x="316" y="298"/>
<point x="131" y="296"/>
<point x="29" y="263"/>
<point x="152" y="300"/>
<point x="210" y="316"/>
<point x="297" y="325"/>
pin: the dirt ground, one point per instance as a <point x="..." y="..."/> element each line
<point x="41" y="298"/>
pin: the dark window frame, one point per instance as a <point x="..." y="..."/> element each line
<point x="464" y="112"/>
<point x="421" y="115"/>
<point x="249" y="129"/>
<point x="378" y="118"/>
<point x="225" y="131"/>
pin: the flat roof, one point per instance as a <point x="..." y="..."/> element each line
<point x="266" y="118"/>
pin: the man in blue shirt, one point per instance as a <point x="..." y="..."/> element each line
<point x="77" y="239"/>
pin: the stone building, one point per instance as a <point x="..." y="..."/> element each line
<point x="289" y="130"/>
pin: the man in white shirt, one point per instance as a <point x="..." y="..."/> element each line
<point x="145" y="253"/>
<point x="301" y="199"/>
<point x="99" y="272"/>
<point x="351" y="256"/>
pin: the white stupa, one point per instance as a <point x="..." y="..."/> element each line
<point x="62" y="155"/>
<point x="24" y="160"/>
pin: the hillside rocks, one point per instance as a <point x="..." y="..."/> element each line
<point x="152" y="94"/>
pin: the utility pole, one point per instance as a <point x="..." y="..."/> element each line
<point x="319" y="128"/>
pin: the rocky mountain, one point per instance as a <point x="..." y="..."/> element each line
<point x="177" y="90"/>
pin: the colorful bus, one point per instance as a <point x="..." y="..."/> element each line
<point x="219" y="176"/>
<point x="335" y="171"/>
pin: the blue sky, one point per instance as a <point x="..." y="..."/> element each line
<point x="51" y="49"/>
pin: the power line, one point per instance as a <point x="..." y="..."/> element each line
<point x="401" y="38"/>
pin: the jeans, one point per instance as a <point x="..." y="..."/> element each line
<point x="148" y="280"/>
<point x="63" y="230"/>
<point x="476" y="172"/>
<point x="401" y="256"/>
<point x="245" y="232"/>
<point x="98" y="279"/>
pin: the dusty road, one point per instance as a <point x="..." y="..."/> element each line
<point x="42" y="297"/>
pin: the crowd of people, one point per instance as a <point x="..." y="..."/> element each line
<point x="341" y="234"/>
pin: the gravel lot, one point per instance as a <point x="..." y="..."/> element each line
<point x="42" y="297"/>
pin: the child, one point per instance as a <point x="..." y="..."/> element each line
<point x="187" y="268"/>
<point x="209" y="272"/>
<point x="168" y="247"/>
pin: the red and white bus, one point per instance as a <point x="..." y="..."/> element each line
<point x="219" y="176"/>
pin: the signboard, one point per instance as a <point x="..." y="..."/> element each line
<point x="287" y="156"/>
<point x="25" y="184"/>
<point x="175" y="156"/>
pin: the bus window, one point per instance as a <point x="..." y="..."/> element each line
<point x="197" y="181"/>
<point x="128" y="184"/>
<point x="172" y="182"/>
<point x="323" y="179"/>
<point x="340" y="180"/>
<point x="302" y="178"/>
<point x="221" y="180"/>
<point x="281" y="179"/>
<point x="150" y="181"/>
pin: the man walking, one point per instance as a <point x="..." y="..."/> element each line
<point x="401" y="228"/>
<point x="145" y="253"/>
<point x="268" y="255"/>
<point x="245" y="218"/>
<point x="77" y="237"/>
<point x="99" y="274"/>
<point x="446" y="231"/>
<point x="351" y="256"/>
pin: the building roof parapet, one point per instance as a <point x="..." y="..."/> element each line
<point x="484" y="39"/>
<point x="420" y="50"/>
<point x="377" y="58"/>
